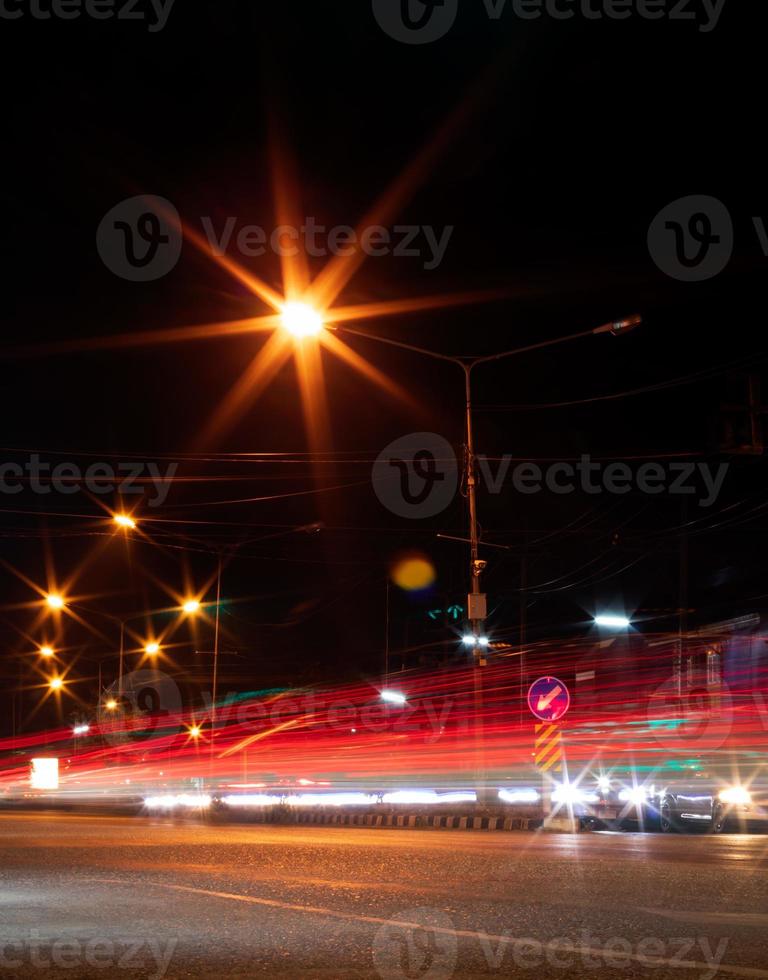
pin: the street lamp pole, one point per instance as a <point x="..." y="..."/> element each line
<point x="476" y="602"/>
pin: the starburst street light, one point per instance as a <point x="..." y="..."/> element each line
<point x="301" y="320"/>
<point x="151" y="649"/>
<point x="55" y="601"/>
<point x="124" y="521"/>
<point x="191" y="606"/>
<point x="55" y="683"/>
<point x="195" y="731"/>
<point x="111" y="705"/>
<point x="47" y="651"/>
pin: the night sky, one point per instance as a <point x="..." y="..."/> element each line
<point x="573" y="136"/>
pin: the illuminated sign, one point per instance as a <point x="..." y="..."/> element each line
<point x="44" y="774"/>
<point x="548" y="699"/>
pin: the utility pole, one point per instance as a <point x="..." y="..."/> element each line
<point x="216" y="653"/>
<point x="477" y="610"/>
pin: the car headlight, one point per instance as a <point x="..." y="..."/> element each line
<point x="637" y="795"/>
<point x="570" y="794"/>
<point x="735" y="796"/>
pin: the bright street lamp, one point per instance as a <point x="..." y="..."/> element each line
<point x="46" y="651"/>
<point x="191" y="606"/>
<point x="55" y="601"/>
<point x="393" y="697"/>
<point x="301" y="320"/>
<point x="111" y="705"/>
<point x="55" y="683"/>
<point x="195" y="731"/>
<point x="151" y="649"/>
<point x="125" y="522"/>
<point x="613" y="622"/>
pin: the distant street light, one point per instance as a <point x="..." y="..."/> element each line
<point x="613" y="622"/>
<point x="55" y="683"/>
<point x="55" y="601"/>
<point x="152" y="649"/>
<point x="47" y="651"/>
<point x="111" y="705"/>
<point x="393" y="697"/>
<point x="81" y="729"/>
<point x="469" y="640"/>
<point x="124" y="521"/>
<point x="191" y="606"/>
<point x="301" y="320"/>
<point x="195" y="731"/>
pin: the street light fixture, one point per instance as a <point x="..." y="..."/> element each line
<point x="477" y="600"/>
<point x="613" y="622"/>
<point x="191" y="606"/>
<point x="47" y="651"/>
<point x="152" y="649"/>
<point x="55" y="601"/>
<point x="124" y="521"/>
<point x="393" y="697"/>
<point x="301" y="320"/>
<point x="56" y="683"/>
<point x="195" y="731"/>
<point x="111" y="705"/>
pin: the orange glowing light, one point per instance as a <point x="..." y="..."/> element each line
<point x="55" y="601"/>
<point x="301" y="320"/>
<point x="152" y="649"/>
<point x="111" y="704"/>
<point x="124" y="521"/>
<point x="56" y="683"/>
<point x="414" y="573"/>
<point x="195" y="731"/>
<point x="46" y="651"/>
<point x="191" y="606"/>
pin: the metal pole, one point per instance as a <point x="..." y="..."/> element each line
<point x="216" y="653"/>
<point x="122" y="655"/>
<point x="476" y="567"/>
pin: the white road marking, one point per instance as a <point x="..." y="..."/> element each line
<point x="731" y="970"/>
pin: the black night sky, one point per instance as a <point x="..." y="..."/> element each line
<point x="572" y="137"/>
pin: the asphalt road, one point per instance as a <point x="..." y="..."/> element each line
<point x="134" y="897"/>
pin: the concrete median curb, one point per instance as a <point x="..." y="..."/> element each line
<point x="390" y="819"/>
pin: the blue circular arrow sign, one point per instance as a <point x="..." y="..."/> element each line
<point x="548" y="699"/>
